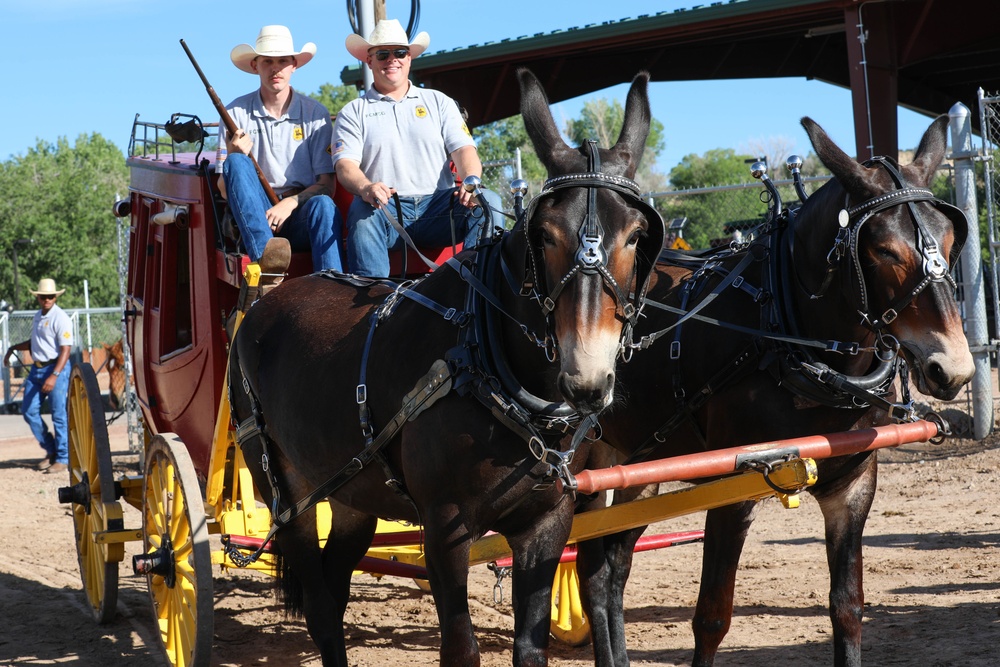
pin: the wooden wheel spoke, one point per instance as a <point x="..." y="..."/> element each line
<point x="90" y="457"/>
<point x="184" y="608"/>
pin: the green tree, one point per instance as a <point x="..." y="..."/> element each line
<point x="60" y="196"/>
<point x="500" y="140"/>
<point x="710" y="214"/>
<point x="334" y="97"/>
<point x="602" y="120"/>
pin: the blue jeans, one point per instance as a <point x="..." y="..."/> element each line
<point x="56" y="448"/>
<point x="428" y="219"/>
<point x="314" y="226"/>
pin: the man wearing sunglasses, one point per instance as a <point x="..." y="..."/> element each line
<point x="399" y="138"/>
<point x="48" y="376"/>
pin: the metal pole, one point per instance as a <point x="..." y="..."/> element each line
<point x="86" y="304"/>
<point x="726" y="461"/>
<point x="17" y="291"/>
<point x="974" y="296"/>
<point x="366" y="23"/>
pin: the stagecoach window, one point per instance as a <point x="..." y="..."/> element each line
<point x="170" y="288"/>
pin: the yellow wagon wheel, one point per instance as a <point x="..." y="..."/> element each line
<point x="568" y="624"/>
<point x="177" y="559"/>
<point x="92" y="493"/>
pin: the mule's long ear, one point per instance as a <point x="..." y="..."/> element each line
<point x="635" y="126"/>
<point x="930" y="152"/>
<point x="849" y="173"/>
<point x="545" y="137"/>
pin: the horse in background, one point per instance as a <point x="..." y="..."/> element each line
<point x="452" y="402"/>
<point x="114" y="356"/>
<point x="861" y="270"/>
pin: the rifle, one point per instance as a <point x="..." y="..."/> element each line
<point x="229" y="123"/>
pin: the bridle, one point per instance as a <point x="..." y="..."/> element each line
<point x="846" y="245"/>
<point x="591" y="258"/>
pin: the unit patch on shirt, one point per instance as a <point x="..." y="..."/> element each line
<point x="338" y="146"/>
<point x="421" y="112"/>
<point x="298" y="134"/>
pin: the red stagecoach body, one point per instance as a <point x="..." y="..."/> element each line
<point x="183" y="282"/>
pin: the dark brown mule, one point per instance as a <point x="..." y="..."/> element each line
<point x="490" y="430"/>
<point x="884" y="276"/>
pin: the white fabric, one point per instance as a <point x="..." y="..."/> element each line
<point x="404" y="144"/>
<point x="293" y="150"/>
<point x="49" y="332"/>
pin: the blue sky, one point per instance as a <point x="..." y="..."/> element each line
<point x="90" y="65"/>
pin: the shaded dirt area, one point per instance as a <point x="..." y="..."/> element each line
<point x="932" y="581"/>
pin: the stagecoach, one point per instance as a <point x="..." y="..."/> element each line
<point x="187" y="282"/>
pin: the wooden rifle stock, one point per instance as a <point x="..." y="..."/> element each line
<point x="227" y="120"/>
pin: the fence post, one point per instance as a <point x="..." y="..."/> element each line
<point x="4" y="346"/>
<point x="974" y="296"/>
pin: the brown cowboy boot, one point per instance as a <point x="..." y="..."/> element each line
<point x="273" y="264"/>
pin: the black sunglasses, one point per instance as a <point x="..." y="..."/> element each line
<point x="383" y="54"/>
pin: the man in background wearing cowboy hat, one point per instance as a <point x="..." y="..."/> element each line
<point x="398" y="138"/>
<point x="289" y="135"/>
<point x="50" y="344"/>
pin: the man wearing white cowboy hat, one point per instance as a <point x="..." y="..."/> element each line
<point x="398" y="138"/>
<point x="50" y="344"/>
<point x="289" y="135"/>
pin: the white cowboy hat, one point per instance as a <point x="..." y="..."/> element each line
<point x="273" y="41"/>
<point x="47" y="286"/>
<point x="388" y="32"/>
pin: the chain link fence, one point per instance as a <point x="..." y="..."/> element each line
<point x="989" y="118"/>
<point x="93" y="329"/>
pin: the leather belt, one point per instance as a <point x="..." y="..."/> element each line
<point x="291" y="192"/>
<point x="43" y="364"/>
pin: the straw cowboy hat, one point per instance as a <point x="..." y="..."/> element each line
<point x="47" y="286"/>
<point x="273" y="41"/>
<point x="388" y="32"/>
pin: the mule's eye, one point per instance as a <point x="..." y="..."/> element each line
<point x="547" y="239"/>
<point x="887" y="254"/>
<point x="634" y="239"/>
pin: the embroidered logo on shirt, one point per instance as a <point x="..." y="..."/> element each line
<point x="298" y="134"/>
<point x="338" y="146"/>
<point x="421" y="112"/>
<point x="67" y="335"/>
<point x="466" y="128"/>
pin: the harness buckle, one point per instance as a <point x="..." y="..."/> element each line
<point x="843" y="348"/>
<point x="934" y="265"/>
<point x="362" y="394"/>
<point x="889" y="316"/>
<point x="675" y="350"/>
<point x="738" y="282"/>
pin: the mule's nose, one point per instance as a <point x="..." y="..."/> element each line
<point x="587" y="396"/>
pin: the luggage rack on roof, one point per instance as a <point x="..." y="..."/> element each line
<point x="150" y="139"/>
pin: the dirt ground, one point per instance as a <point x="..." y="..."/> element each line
<point x="932" y="582"/>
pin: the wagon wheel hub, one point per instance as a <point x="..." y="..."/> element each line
<point x="78" y="494"/>
<point x="160" y="561"/>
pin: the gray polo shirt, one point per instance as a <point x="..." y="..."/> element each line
<point x="293" y="150"/>
<point x="404" y="144"/>
<point x="49" y="332"/>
